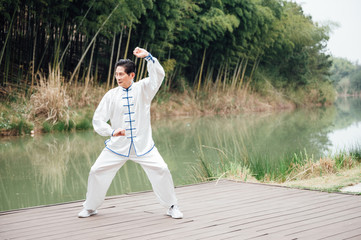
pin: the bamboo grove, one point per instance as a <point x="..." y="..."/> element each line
<point x="202" y="44"/>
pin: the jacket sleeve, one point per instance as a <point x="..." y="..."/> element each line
<point x="102" y="116"/>
<point x="152" y="83"/>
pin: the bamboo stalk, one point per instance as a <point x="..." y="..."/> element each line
<point x="251" y="75"/>
<point x="43" y="56"/>
<point x="7" y="65"/>
<point x="219" y="76"/>
<point x="201" y="71"/>
<point x="243" y="72"/>
<point x="225" y="77"/>
<point x="87" y="78"/>
<point x="110" y="63"/>
<point x="209" y="77"/>
<point x="120" y="43"/>
<point x="139" y="67"/>
<point x="118" y="52"/>
<point x="96" y="72"/>
<point x="143" y="65"/>
<point x="57" y="46"/>
<point x="127" y="46"/>
<point x="234" y="77"/>
<point x="171" y="77"/>
<point x="253" y="68"/>
<point x="138" y="64"/>
<point x="8" y="35"/>
<point x="142" y="71"/>
<point x="33" y="63"/>
<point x="239" y="69"/>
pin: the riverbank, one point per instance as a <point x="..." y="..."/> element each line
<point x="56" y="107"/>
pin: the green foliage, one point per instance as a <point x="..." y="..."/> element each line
<point x="236" y="38"/>
<point x="355" y="152"/>
<point x="60" y="126"/>
<point x="342" y="160"/>
<point x="298" y="54"/>
<point x="84" y="124"/>
<point x="47" y="127"/>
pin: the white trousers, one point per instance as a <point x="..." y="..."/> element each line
<point x="108" y="164"/>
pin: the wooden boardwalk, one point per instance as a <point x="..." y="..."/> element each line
<point x="223" y="210"/>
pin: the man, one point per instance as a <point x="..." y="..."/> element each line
<point x="128" y="109"/>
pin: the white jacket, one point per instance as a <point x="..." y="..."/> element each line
<point x="129" y="109"/>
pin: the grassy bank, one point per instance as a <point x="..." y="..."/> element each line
<point x="298" y="170"/>
<point x="46" y="112"/>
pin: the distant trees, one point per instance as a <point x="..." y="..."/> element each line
<point x="346" y="76"/>
<point x="208" y="44"/>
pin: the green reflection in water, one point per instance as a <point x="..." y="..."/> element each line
<point x="54" y="168"/>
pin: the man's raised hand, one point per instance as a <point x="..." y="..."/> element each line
<point x="140" y="52"/>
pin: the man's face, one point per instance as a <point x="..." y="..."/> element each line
<point x="123" y="79"/>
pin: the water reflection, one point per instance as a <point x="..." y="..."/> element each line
<point x="346" y="138"/>
<point x="346" y="131"/>
<point x="54" y="168"/>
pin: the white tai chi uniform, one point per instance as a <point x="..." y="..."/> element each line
<point x="129" y="109"/>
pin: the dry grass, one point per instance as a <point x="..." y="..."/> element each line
<point x="312" y="169"/>
<point x="325" y="166"/>
<point x="50" y="100"/>
<point x="329" y="182"/>
<point x="240" y="173"/>
<point x="217" y="102"/>
<point x="82" y="97"/>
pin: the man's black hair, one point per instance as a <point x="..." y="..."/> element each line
<point x="128" y="65"/>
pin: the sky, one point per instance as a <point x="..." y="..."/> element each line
<point x="345" y="40"/>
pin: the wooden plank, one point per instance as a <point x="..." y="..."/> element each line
<point x="343" y="230"/>
<point x="279" y="220"/>
<point x="301" y="225"/>
<point x="226" y="210"/>
<point x="357" y="237"/>
<point x="335" y="225"/>
<point x="345" y="235"/>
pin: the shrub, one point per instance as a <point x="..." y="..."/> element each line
<point x="50" y="101"/>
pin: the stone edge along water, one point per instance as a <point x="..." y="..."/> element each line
<point x="352" y="189"/>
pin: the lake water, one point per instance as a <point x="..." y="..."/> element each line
<point x="53" y="168"/>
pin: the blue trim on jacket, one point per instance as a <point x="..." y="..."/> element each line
<point x="135" y="150"/>
<point x="150" y="57"/>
